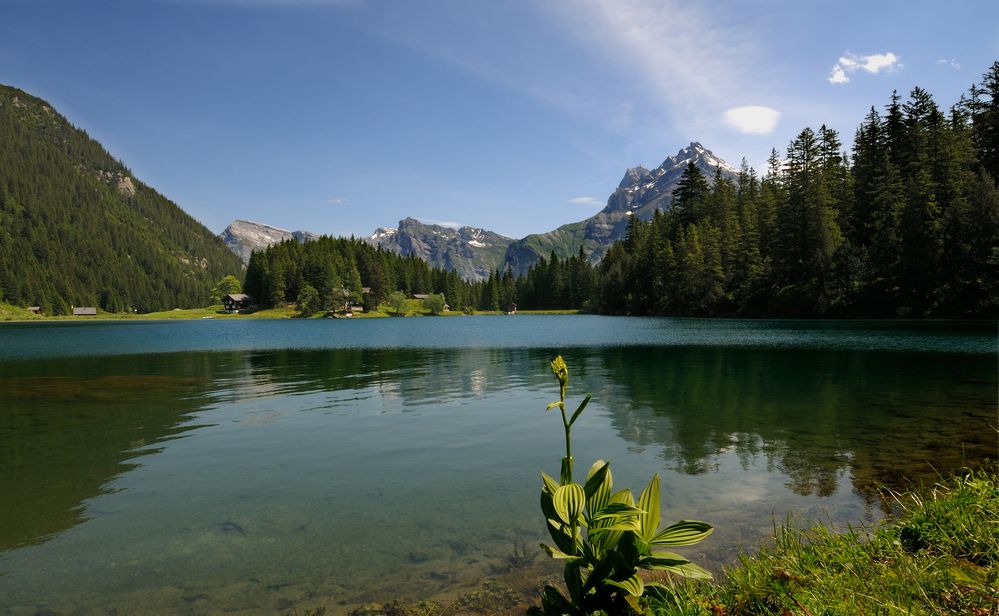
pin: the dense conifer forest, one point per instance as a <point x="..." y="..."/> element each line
<point x="331" y="266"/>
<point x="76" y="228"/>
<point x="906" y="226"/>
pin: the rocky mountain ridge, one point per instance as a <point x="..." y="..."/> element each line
<point x="640" y="193"/>
<point x="244" y="236"/>
<point x="470" y="251"/>
<point x="475" y="252"/>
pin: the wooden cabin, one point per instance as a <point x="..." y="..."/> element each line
<point x="35" y="309"/>
<point x="234" y="302"/>
<point x="86" y="311"/>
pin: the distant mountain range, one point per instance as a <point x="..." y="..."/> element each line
<point x="469" y="251"/>
<point x="474" y="252"/>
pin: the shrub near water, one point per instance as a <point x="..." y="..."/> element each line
<point x="621" y="537"/>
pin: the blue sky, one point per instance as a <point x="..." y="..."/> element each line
<point x="339" y="116"/>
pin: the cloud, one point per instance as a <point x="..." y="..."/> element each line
<point x="441" y="223"/>
<point x="873" y="64"/>
<point x="838" y="75"/>
<point x="752" y="119"/>
<point x="951" y="63"/>
<point x="336" y="200"/>
<point x="680" y="55"/>
<point x="590" y="201"/>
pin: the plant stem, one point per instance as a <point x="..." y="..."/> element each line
<point x="568" y="438"/>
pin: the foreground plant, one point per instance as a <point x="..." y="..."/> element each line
<point x="604" y="537"/>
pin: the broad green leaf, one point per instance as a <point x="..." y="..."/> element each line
<point x="663" y="560"/>
<point x="587" y="548"/>
<point x="633" y="585"/>
<point x="690" y="570"/>
<point x="579" y="409"/>
<point x="668" y="555"/>
<point x="649" y="502"/>
<point x="617" y="511"/>
<point x="598" y="486"/>
<point x="553" y="405"/>
<point x="623" y="496"/>
<point x="569" y="501"/>
<point x="548" y="505"/>
<point x="560" y="535"/>
<point x="684" y="532"/>
<point x="559" y="554"/>
<point x="574" y="582"/>
<point x="600" y="572"/>
<point x="628" y="524"/>
<point x="550" y="484"/>
<point x="607" y="541"/>
<point x="554" y="603"/>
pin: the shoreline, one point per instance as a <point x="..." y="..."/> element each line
<point x="14" y="314"/>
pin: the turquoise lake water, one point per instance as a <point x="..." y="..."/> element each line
<point x="262" y="466"/>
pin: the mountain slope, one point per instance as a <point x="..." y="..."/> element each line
<point x="244" y="236"/>
<point x="77" y="228"/>
<point x="469" y="251"/>
<point x="640" y="193"/>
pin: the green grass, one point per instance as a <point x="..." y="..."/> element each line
<point x="414" y="308"/>
<point x="942" y="557"/>
<point x="14" y="313"/>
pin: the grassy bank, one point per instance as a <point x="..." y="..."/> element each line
<point x="940" y="557"/>
<point x="414" y="308"/>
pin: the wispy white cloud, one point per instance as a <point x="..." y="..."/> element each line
<point x="589" y="201"/>
<point x="336" y="200"/>
<point x="683" y="61"/>
<point x="441" y="223"/>
<point x="752" y="119"/>
<point x="951" y="63"/>
<point x="673" y="47"/>
<point x="873" y="64"/>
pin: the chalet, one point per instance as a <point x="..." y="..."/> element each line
<point x="87" y="311"/>
<point x="234" y="302"/>
<point x="355" y="308"/>
<point x="35" y="309"/>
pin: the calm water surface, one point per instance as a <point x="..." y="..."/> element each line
<point x="261" y="466"/>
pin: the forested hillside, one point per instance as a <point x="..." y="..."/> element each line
<point x="77" y="228"/>
<point x="907" y="226"/>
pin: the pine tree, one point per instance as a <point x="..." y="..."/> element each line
<point x="689" y="196"/>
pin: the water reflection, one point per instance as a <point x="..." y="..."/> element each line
<point x="887" y="418"/>
<point x="68" y="428"/>
<point x="255" y="479"/>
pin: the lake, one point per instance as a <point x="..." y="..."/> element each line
<point x="262" y="466"/>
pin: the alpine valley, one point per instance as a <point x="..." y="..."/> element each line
<point x="474" y="253"/>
